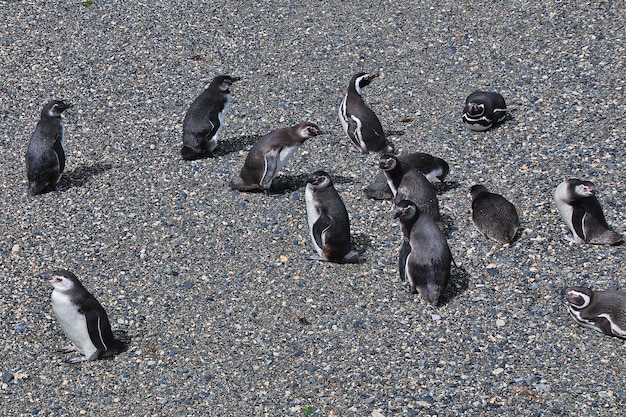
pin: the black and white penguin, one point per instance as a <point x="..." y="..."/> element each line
<point x="483" y="110"/>
<point x="407" y="183"/>
<point x="425" y="256"/>
<point x="604" y="311"/>
<point x="269" y="154"/>
<point x="493" y="215"/>
<point x="45" y="155"/>
<point x="205" y="118"/>
<point x="431" y="166"/>
<point x="583" y="214"/>
<point x="328" y="221"/>
<point x="82" y="318"/>
<point x="359" y="121"/>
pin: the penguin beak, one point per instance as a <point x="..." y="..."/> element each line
<point x="373" y="75"/>
<point x="397" y="214"/>
<point x="48" y="277"/>
<point x="67" y="106"/>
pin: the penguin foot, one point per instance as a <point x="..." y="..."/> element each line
<point x="317" y="257"/>
<point x="77" y="359"/>
<point x="573" y="241"/>
<point x="189" y="154"/>
<point x="67" y="349"/>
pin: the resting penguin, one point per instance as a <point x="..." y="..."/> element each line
<point x="431" y="166"/>
<point x="328" y="221"/>
<point x="604" y="311"/>
<point x="269" y="154"/>
<point x="359" y="122"/>
<point x="483" y="110"/>
<point x="425" y="256"/>
<point x="45" y="156"/>
<point x="493" y="215"/>
<point x="583" y="214"/>
<point x="407" y="183"/>
<point x="205" y="118"/>
<point x="82" y="319"/>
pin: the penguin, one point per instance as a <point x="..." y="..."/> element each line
<point x="604" y="311"/>
<point x="407" y="183"/>
<point x="205" y="118"/>
<point x="493" y="215"/>
<point x="425" y="257"/>
<point x="269" y="154"/>
<point x="328" y="221"/>
<point x="359" y="122"/>
<point x="82" y="318"/>
<point x="431" y="166"/>
<point x="483" y="110"/>
<point x="583" y="214"/>
<point x="45" y="155"/>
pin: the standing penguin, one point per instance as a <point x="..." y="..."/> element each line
<point x="328" y="221"/>
<point x="205" y="118"/>
<point x="493" y="215"/>
<point x="483" y="110"/>
<point x="583" y="214"/>
<point x="82" y="319"/>
<point x="359" y="121"/>
<point x="425" y="256"/>
<point x="45" y="156"/>
<point x="431" y="166"/>
<point x="604" y="311"/>
<point x="269" y="154"/>
<point x="407" y="183"/>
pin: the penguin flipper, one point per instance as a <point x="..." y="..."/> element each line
<point x="578" y="217"/>
<point x="319" y="227"/>
<point x="271" y="165"/>
<point x="405" y="250"/>
<point x="58" y="148"/>
<point x="98" y="327"/>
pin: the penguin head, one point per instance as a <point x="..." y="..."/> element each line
<point x="308" y="130"/>
<point x="579" y="297"/>
<point x="54" y="108"/>
<point x="362" y="79"/>
<point x="476" y="190"/>
<point x="406" y="210"/>
<point x="62" y="280"/>
<point x="224" y="82"/>
<point x="387" y="162"/>
<point x="582" y="188"/>
<point x="319" y="180"/>
<point x="474" y="109"/>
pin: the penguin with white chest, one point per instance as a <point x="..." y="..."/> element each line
<point x="359" y="122"/>
<point x="425" y="256"/>
<point x="82" y="318"/>
<point x="493" y="215"/>
<point x="582" y="213"/>
<point x="429" y="165"/>
<point x="604" y="311"/>
<point x="204" y="120"/>
<point x="269" y="154"/>
<point x="45" y="155"/>
<point x="328" y="221"/>
<point x="483" y="110"/>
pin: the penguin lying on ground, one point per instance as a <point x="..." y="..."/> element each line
<point x="604" y="311"/>
<point x="583" y="214"/>
<point x="425" y="256"/>
<point x="359" y="122"/>
<point x="205" y="118"/>
<point x="493" y="215"/>
<point x="431" y="166"/>
<point x="269" y="154"/>
<point x="45" y="156"/>
<point x="328" y="221"/>
<point x="82" y="319"/>
<point x="483" y="110"/>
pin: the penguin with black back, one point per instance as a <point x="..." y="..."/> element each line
<point x="269" y="154"/>
<point x="328" y="221"/>
<point x="359" y="122"/>
<point x="484" y="110"/>
<point x="82" y="318"/>
<point x="493" y="215"/>
<point x="604" y="311"/>
<point x="45" y="155"/>
<point x="204" y="120"/>
<point x="582" y="213"/>
<point x="425" y="257"/>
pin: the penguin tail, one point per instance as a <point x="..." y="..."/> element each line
<point x="189" y="154"/>
<point x="237" y="183"/>
<point x="353" y="257"/>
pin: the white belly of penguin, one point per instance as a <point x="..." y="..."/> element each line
<point x="73" y="323"/>
<point x="221" y="117"/>
<point x="312" y="214"/>
<point x="284" y="156"/>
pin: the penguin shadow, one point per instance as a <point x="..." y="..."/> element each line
<point x="235" y="145"/>
<point x="360" y="242"/>
<point x="394" y="132"/>
<point x="442" y="187"/>
<point x="80" y="175"/>
<point x="459" y="283"/>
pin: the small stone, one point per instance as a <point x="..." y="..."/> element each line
<point x="375" y="413"/>
<point x="7" y="377"/>
<point x="497" y="371"/>
<point x="500" y="322"/>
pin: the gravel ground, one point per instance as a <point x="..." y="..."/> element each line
<point x="226" y="314"/>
